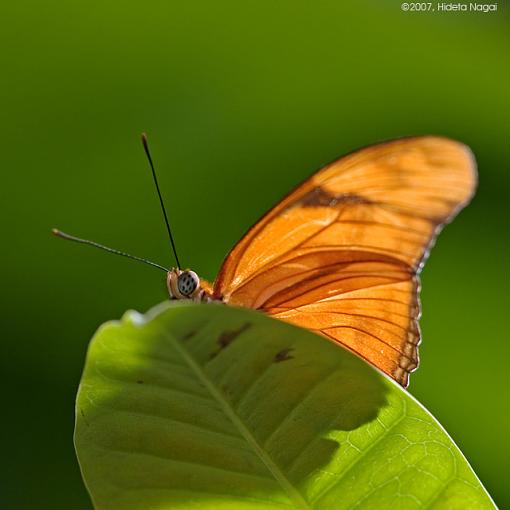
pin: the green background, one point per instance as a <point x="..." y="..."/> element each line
<point x="241" y="100"/>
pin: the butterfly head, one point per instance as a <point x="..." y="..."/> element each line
<point x="183" y="284"/>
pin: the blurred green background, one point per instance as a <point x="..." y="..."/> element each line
<point x="241" y="101"/>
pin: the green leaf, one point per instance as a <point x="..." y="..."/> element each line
<point x="212" y="407"/>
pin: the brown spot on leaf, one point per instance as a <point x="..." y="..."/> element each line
<point x="83" y="416"/>
<point x="139" y="382"/>
<point x="227" y="337"/>
<point x="188" y="335"/>
<point x="283" y="355"/>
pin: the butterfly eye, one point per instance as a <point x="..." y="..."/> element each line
<point x="187" y="283"/>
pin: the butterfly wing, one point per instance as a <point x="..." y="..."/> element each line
<point x="341" y="254"/>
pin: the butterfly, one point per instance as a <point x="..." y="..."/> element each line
<point x="341" y="254"/>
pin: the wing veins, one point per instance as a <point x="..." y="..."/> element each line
<point x="368" y="334"/>
<point x="279" y="303"/>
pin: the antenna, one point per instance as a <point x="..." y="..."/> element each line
<point x="68" y="237"/>
<point x="145" y="144"/>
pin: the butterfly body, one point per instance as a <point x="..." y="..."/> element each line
<point x="341" y="254"/>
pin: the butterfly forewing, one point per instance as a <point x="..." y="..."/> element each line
<point x="341" y="253"/>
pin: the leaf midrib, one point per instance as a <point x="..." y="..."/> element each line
<point x="293" y="494"/>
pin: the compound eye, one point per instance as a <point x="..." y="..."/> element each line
<point x="187" y="283"/>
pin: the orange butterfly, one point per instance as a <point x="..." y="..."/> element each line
<point x="340" y="255"/>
